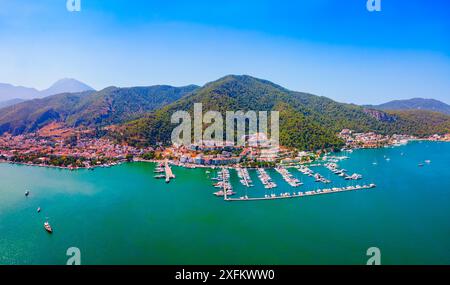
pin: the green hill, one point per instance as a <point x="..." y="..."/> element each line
<point x="108" y="106"/>
<point x="306" y="121"/>
<point x="143" y="113"/>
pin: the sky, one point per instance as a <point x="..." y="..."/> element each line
<point x="332" y="48"/>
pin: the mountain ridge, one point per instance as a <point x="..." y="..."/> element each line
<point x="10" y="102"/>
<point x="142" y="114"/>
<point x="89" y="108"/>
<point x="414" y="104"/>
<point x="9" y="92"/>
<point x="311" y="121"/>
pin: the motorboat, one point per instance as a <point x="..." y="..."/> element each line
<point x="48" y="228"/>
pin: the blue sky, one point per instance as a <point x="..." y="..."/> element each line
<point x="330" y="48"/>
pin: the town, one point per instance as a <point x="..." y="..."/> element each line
<point x="56" y="146"/>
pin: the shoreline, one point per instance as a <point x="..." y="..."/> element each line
<point x="193" y="166"/>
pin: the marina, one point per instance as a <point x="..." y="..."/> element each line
<point x="222" y="181"/>
<point x="304" y="194"/>
<point x="189" y="210"/>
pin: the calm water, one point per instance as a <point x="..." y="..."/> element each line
<point x="122" y="215"/>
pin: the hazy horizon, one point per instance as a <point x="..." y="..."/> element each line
<point x="40" y="90"/>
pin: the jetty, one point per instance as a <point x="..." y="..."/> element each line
<point x="303" y="194"/>
<point x="266" y="180"/>
<point x="305" y="170"/>
<point x="320" y="178"/>
<point x="244" y="177"/>
<point x="168" y="172"/>
<point x="294" y="182"/>
<point x="333" y="167"/>
<point x="223" y="183"/>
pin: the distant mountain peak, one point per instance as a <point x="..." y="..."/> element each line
<point x="66" y="85"/>
<point x="9" y="92"/>
<point x="415" y="104"/>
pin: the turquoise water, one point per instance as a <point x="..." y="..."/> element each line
<point x="122" y="215"/>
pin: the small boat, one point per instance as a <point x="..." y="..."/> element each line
<point x="427" y="161"/>
<point x="48" y="228"/>
<point x="159" y="176"/>
<point x="420" y="164"/>
<point x="27" y="193"/>
<point x="158" y="170"/>
<point x="39" y="209"/>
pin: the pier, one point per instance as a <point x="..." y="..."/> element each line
<point x="244" y="177"/>
<point x="319" y="178"/>
<point x="168" y="171"/>
<point x="224" y="184"/>
<point x="333" y="167"/>
<point x="294" y="182"/>
<point x="265" y="179"/>
<point x="303" y="194"/>
<point x="305" y="170"/>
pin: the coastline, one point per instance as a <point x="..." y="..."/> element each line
<point x="193" y="165"/>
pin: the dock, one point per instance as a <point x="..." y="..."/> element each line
<point x="303" y="194"/>
<point x="306" y="171"/>
<point x="333" y="167"/>
<point x="266" y="180"/>
<point x="244" y="177"/>
<point x="224" y="184"/>
<point x="168" y="172"/>
<point x="287" y="176"/>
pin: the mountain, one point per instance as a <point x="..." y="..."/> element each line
<point x="415" y="104"/>
<point x="419" y="122"/>
<point x="142" y="115"/>
<point x="89" y="108"/>
<point x="11" y="102"/>
<point x="302" y="120"/>
<point x="66" y="85"/>
<point x="9" y="92"/>
<point x="306" y="121"/>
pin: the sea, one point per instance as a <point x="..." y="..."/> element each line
<point x="123" y="215"/>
